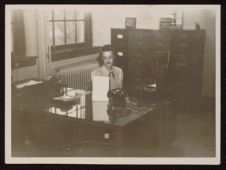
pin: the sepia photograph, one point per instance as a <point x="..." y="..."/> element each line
<point x="112" y="84"/>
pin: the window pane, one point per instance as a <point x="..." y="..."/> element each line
<point x="80" y="15"/>
<point x="70" y="32"/>
<point x="59" y="33"/>
<point x="50" y="33"/>
<point x="58" y="14"/>
<point x="70" y="14"/>
<point x="80" y="27"/>
<point x="49" y="15"/>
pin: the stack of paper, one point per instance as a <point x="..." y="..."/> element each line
<point x="100" y="111"/>
<point x="28" y="83"/>
<point x="100" y="85"/>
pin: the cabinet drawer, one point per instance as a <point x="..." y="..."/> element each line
<point x="137" y="65"/>
<point x="139" y="54"/>
<point x="160" y="46"/>
<point x="135" y="80"/>
<point x="118" y="36"/>
<point x="119" y="45"/>
<point x="139" y="35"/>
<point x="139" y="45"/>
<point x="181" y="48"/>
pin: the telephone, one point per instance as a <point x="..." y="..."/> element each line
<point x="117" y="102"/>
<point x="117" y="97"/>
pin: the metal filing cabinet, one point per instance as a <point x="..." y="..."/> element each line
<point x="120" y="43"/>
<point x="139" y="54"/>
<point x="149" y="55"/>
<point x="187" y="49"/>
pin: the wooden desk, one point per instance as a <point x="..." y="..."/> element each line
<point x="84" y="128"/>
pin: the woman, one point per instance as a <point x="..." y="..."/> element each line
<point x="106" y="61"/>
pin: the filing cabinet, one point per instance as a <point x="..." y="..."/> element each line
<point x="187" y="49"/>
<point x="151" y="54"/>
<point x="161" y="40"/>
<point x="139" y="55"/>
<point x="120" y="43"/>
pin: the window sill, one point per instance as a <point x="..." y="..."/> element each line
<point x="73" y="53"/>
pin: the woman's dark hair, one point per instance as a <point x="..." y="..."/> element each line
<point x="107" y="47"/>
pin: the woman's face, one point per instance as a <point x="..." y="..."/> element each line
<point x="108" y="59"/>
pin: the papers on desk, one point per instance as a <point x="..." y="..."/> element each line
<point x="72" y="94"/>
<point x="28" y="83"/>
<point x="100" y="111"/>
<point x="100" y="85"/>
<point x="152" y="85"/>
<point x="76" y="111"/>
<point x="65" y="98"/>
<point x="76" y="92"/>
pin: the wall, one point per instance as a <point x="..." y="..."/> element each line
<point x="107" y="17"/>
<point x="114" y="17"/>
<point x="68" y="62"/>
<point x="30" y="38"/>
<point x="206" y="19"/>
<point x="24" y="73"/>
<point x="36" y="40"/>
<point x="28" y="41"/>
<point x="148" y="17"/>
<point x="32" y="71"/>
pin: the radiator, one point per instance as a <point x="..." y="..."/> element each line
<point x="79" y="78"/>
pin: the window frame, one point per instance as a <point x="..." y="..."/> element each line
<point x="64" y="48"/>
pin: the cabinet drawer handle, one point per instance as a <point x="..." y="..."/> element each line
<point x="107" y="136"/>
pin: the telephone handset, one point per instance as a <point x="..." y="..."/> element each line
<point x="117" y="96"/>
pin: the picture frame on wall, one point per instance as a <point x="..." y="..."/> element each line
<point x="130" y="22"/>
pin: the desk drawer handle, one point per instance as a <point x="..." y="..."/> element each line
<point x="107" y="136"/>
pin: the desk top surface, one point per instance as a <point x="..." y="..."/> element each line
<point x="78" y="104"/>
<point x="82" y="107"/>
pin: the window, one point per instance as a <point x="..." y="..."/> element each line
<point x="70" y="30"/>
